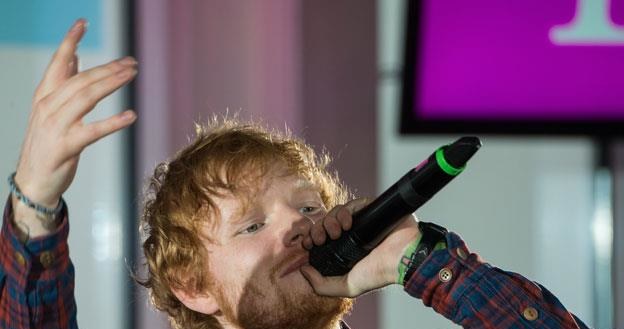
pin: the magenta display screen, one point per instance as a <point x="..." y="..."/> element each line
<point x="532" y="65"/>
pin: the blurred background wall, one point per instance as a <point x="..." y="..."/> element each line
<point x="331" y="71"/>
<point x="309" y="65"/>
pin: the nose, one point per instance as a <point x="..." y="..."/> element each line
<point x="298" y="229"/>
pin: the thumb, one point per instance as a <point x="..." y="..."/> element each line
<point x="335" y="286"/>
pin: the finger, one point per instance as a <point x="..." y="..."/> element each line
<point x="59" y="68"/>
<point x="335" y="210"/>
<point x="87" y="78"/>
<point x="325" y="285"/>
<point x="357" y="204"/>
<point x="307" y="242"/>
<point x="344" y="219"/>
<point x="328" y="225"/>
<point x="318" y="233"/>
<point x="91" y="133"/>
<point x="74" y="66"/>
<point x="86" y="99"/>
<point x="332" y="227"/>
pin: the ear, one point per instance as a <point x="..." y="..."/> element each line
<point x="199" y="302"/>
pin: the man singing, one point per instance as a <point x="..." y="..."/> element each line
<point x="228" y="222"/>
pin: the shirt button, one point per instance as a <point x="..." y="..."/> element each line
<point x="20" y="258"/>
<point x="530" y="313"/>
<point x="461" y="253"/>
<point x="46" y="258"/>
<point x="445" y="275"/>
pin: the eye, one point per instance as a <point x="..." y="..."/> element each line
<point x="309" y="210"/>
<point x="253" y="228"/>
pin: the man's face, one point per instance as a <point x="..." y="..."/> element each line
<point x="255" y="258"/>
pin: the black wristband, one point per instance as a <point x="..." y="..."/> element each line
<point x="431" y="235"/>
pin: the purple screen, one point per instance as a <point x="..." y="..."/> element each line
<point x="526" y="60"/>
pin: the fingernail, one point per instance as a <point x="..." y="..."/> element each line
<point x="128" y="115"/>
<point x="125" y="73"/>
<point x="128" y="61"/>
<point x="78" y="25"/>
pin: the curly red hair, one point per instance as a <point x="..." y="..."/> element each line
<point x="226" y="156"/>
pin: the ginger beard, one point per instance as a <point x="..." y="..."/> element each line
<point x="273" y="303"/>
<point x="247" y="268"/>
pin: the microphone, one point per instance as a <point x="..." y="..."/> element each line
<point x="374" y="222"/>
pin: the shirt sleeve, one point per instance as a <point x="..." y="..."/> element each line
<point x="463" y="288"/>
<point x="36" y="278"/>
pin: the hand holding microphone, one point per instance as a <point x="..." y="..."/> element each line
<point x="371" y="224"/>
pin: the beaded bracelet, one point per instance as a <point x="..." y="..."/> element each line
<point x="47" y="213"/>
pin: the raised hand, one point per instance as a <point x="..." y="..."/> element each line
<point x="376" y="270"/>
<point x="56" y="133"/>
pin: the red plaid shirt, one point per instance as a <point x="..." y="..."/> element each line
<point x="37" y="287"/>
<point x="36" y="279"/>
<point x="466" y="290"/>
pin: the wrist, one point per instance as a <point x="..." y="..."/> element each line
<point x="28" y="223"/>
<point x="408" y="240"/>
<point x="31" y="218"/>
<point x="37" y="194"/>
<point x="432" y="237"/>
<point x="405" y="261"/>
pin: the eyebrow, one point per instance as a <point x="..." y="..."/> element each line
<point x="301" y="185"/>
<point x="304" y="184"/>
<point x="241" y="215"/>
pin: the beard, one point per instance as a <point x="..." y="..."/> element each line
<point x="270" y="306"/>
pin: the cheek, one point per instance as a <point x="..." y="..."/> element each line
<point x="239" y="261"/>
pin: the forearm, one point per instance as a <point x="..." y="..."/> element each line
<point x="29" y="223"/>
<point x="461" y="287"/>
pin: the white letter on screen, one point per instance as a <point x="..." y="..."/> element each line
<point x="591" y="26"/>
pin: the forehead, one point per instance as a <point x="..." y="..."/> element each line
<point x="276" y="178"/>
<point x="232" y="206"/>
<point x="272" y="186"/>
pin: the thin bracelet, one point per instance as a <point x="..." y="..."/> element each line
<point x="48" y="213"/>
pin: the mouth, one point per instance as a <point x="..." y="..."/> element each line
<point x="294" y="266"/>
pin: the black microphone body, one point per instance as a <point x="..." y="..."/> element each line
<point x="374" y="222"/>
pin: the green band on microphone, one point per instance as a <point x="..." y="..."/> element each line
<point x="445" y="166"/>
